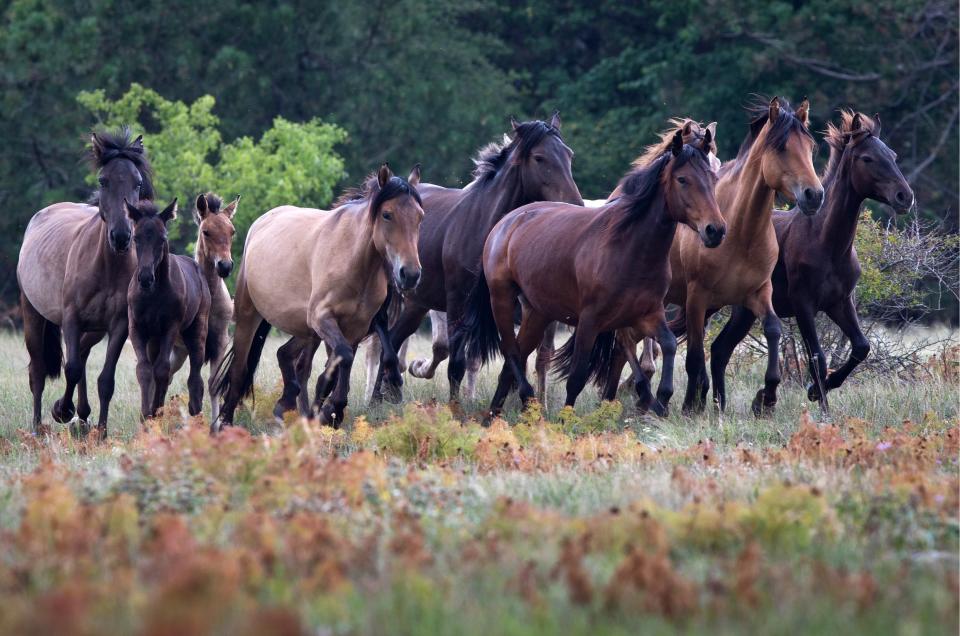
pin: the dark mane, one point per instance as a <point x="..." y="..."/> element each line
<point x="492" y="157"/>
<point x="786" y="124"/>
<point x="639" y="187"/>
<point x="214" y="202"/>
<point x="105" y="146"/>
<point x="370" y="189"/>
<point x="838" y="138"/>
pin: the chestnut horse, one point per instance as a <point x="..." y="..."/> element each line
<point x="598" y="269"/>
<point x="322" y="277"/>
<point x="166" y="300"/>
<point x="214" y="255"/>
<point x="777" y="156"/>
<point x="817" y="269"/>
<point x="533" y="164"/>
<point x="74" y="267"/>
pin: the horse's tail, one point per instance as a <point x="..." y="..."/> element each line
<point x="601" y="358"/>
<point x="52" y="351"/>
<point x="222" y="380"/>
<point x="482" y="338"/>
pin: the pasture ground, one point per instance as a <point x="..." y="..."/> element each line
<point x="411" y="521"/>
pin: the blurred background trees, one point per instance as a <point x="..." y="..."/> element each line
<point x="288" y="101"/>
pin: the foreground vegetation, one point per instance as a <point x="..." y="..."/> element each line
<point x="414" y="521"/>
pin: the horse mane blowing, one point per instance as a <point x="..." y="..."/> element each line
<point x="105" y="146"/>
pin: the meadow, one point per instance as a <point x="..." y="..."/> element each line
<point x="416" y="520"/>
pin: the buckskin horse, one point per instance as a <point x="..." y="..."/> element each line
<point x="532" y="164"/>
<point x="817" y="269"/>
<point x="74" y="267"/>
<point x="776" y="156"/>
<point x="322" y="276"/>
<point x="598" y="269"/>
<point x="167" y="299"/>
<point x="214" y="255"/>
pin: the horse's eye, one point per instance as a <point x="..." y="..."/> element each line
<point x="867" y="159"/>
<point x="103" y="182"/>
<point x="206" y="233"/>
<point x="538" y="158"/>
<point x="387" y="216"/>
<point x="682" y="180"/>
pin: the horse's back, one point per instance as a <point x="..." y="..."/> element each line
<point x="42" y="265"/>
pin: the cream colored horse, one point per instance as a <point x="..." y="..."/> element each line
<point x="322" y="276"/>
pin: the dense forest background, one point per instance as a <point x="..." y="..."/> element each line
<point x="431" y="81"/>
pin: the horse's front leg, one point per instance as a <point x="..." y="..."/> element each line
<point x="584" y="337"/>
<point x="161" y="369"/>
<point x="144" y="369"/>
<point x="63" y="409"/>
<point x="741" y="320"/>
<point x="116" y="336"/>
<point x="87" y="341"/>
<point x="762" y="306"/>
<point x="195" y="339"/>
<point x="457" y="364"/>
<point x="337" y="374"/>
<point x="439" y="345"/>
<point x="389" y="364"/>
<point x="287" y="358"/>
<point x="845" y="315"/>
<point x="668" y="348"/>
<point x="544" y="356"/>
<point x="695" y="312"/>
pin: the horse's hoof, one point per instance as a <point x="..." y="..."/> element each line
<point x="79" y="429"/>
<point x="661" y="410"/>
<point x="418" y="369"/>
<point x="813" y="392"/>
<point x="61" y="413"/>
<point x="762" y="407"/>
<point x="391" y="393"/>
<point x="280" y="409"/>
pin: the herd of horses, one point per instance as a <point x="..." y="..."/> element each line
<point x="516" y="246"/>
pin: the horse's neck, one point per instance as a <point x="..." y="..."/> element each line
<point x="748" y="213"/>
<point x="649" y="240"/>
<point x="363" y="259"/>
<point x="217" y="286"/>
<point x="163" y="267"/>
<point x="501" y="195"/>
<point x="841" y="212"/>
<point x="112" y="265"/>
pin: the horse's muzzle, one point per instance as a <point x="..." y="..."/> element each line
<point x="224" y="268"/>
<point x="146" y="280"/>
<point x="712" y="235"/>
<point x="120" y="241"/>
<point x="809" y="200"/>
<point x="408" y="278"/>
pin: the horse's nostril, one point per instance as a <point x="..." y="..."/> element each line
<point x="901" y="196"/>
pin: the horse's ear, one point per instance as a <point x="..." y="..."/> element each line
<point x="414" y="178"/>
<point x="712" y="127"/>
<point x="555" y="120"/>
<point x="383" y="175"/>
<point x="138" y="142"/>
<point x="231" y="208"/>
<point x="170" y="212"/>
<point x="856" y="123"/>
<point x="774" y="109"/>
<point x="201" y="205"/>
<point x="876" y="129"/>
<point x="514" y="124"/>
<point x="803" y="112"/>
<point x="133" y="212"/>
<point x="688" y="127"/>
<point x="676" y="147"/>
<point x="707" y="142"/>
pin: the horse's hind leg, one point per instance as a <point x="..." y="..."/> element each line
<point x="408" y="321"/>
<point x="304" y="369"/>
<point x="372" y="362"/>
<point x="695" y="362"/>
<point x="544" y="355"/>
<point x="585" y="335"/>
<point x="668" y="347"/>
<point x="741" y="320"/>
<point x="287" y="356"/>
<point x="42" y="338"/>
<point x="251" y="330"/>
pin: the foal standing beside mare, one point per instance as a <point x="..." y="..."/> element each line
<point x="214" y="255"/>
<point x="322" y="276"/>
<point x="817" y="269"/>
<point x="533" y="164"/>
<point x="167" y="299"/>
<point x="776" y="156"/>
<point x="74" y="267"/>
<point x="598" y="269"/>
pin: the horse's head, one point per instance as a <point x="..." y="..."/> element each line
<point x="396" y="211"/>
<point x="786" y="147"/>
<point x="689" y="182"/>
<point x="215" y="242"/>
<point x="123" y="175"/>
<point x="545" y="163"/>
<point x="872" y="165"/>
<point x="150" y="238"/>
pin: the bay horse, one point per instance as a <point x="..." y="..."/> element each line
<point x="74" y="267"/>
<point x="167" y="299"/>
<point x="214" y="255"/>
<point x="600" y="270"/>
<point x="532" y="164"/>
<point x="776" y="156"/>
<point x="817" y="268"/>
<point x="322" y="276"/>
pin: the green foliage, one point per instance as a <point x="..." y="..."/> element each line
<point x="291" y="164"/>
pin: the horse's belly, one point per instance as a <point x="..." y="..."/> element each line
<point x="42" y="265"/>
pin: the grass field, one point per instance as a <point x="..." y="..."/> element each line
<point x="411" y="521"/>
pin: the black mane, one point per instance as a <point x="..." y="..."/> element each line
<point x="214" y="202"/>
<point x="526" y="136"/>
<point x="639" y="187"/>
<point x="370" y="189"/>
<point x="105" y="146"/>
<point x="786" y="124"/>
